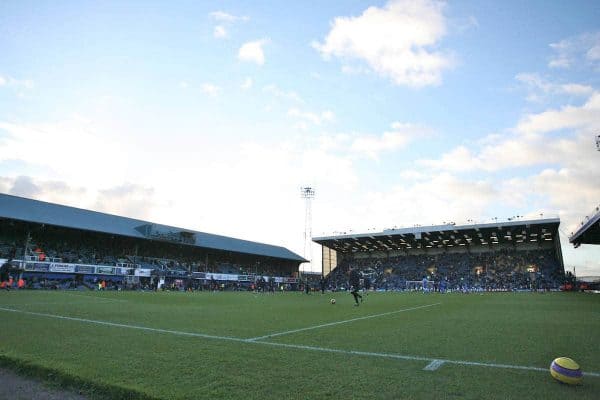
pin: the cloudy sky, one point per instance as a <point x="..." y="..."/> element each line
<point x="212" y="115"/>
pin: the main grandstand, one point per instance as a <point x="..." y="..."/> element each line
<point x="512" y="255"/>
<point x="71" y="247"/>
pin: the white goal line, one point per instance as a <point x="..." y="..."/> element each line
<point x="430" y="360"/>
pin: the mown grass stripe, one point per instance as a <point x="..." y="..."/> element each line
<point x="127" y="326"/>
<point x="92" y="297"/>
<point x="288" y="345"/>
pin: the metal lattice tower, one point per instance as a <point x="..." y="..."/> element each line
<point x="308" y="194"/>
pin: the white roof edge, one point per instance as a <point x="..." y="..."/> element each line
<point x="582" y="228"/>
<point x="436" y="228"/>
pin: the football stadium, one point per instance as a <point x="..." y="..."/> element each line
<point x="154" y="244"/>
<point x="113" y="307"/>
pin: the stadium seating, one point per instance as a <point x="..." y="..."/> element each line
<point x="163" y="265"/>
<point x="499" y="270"/>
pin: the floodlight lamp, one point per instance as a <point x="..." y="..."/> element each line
<point x="307" y="192"/>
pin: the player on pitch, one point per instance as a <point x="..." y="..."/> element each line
<point x="355" y="285"/>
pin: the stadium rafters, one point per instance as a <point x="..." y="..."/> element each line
<point x="588" y="231"/>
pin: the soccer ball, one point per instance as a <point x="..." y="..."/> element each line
<point x="565" y="370"/>
<point x="332" y="301"/>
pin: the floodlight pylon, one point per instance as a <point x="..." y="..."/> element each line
<point x="308" y="194"/>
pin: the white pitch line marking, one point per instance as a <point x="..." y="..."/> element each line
<point x="338" y="322"/>
<point x="39" y="303"/>
<point x="412" y="358"/>
<point x="435" y="364"/>
<point x="290" y="346"/>
<point x="115" y="324"/>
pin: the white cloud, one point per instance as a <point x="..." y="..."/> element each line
<point x="559" y="62"/>
<point x="224" y="21"/>
<point x="226" y="17"/>
<point x="576" y="51"/>
<point x="576" y="89"/>
<point x="25" y="83"/>
<point x="593" y="54"/>
<point x="72" y="149"/>
<point x="128" y="199"/>
<point x="412" y="175"/>
<point x="398" y="41"/>
<point x="282" y="94"/>
<point x="355" y="70"/>
<point x="210" y="89"/>
<point x="568" y="192"/>
<point x="315" y="118"/>
<point x="46" y="190"/>
<point x="361" y="145"/>
<point x="247" y="84"/>
<point x="373" y="145"/>
<point x="253" y="51"/>
<point x="540" y="88"/>
<point x="184" y="85"/>
<point x="458" y="159"/>
<point x="399" y="137"/>
<point x="567" y="117"/>
<point x="430" y="200"/>
<point x="530" y="144"/>
<point x="9" y="81"/>
<point x="220" y="32"/>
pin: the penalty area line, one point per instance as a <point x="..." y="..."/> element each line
<point x="431" y="361"/>
<point x="338" y="322"/>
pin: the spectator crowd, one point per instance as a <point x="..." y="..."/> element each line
<point x="505" y="269"/>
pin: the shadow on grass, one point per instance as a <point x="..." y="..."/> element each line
<point x="63" y="381"/>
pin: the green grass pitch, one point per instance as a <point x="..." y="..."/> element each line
<point x="170" y="345"/>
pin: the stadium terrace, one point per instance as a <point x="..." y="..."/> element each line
<point x="517" y="254"/>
